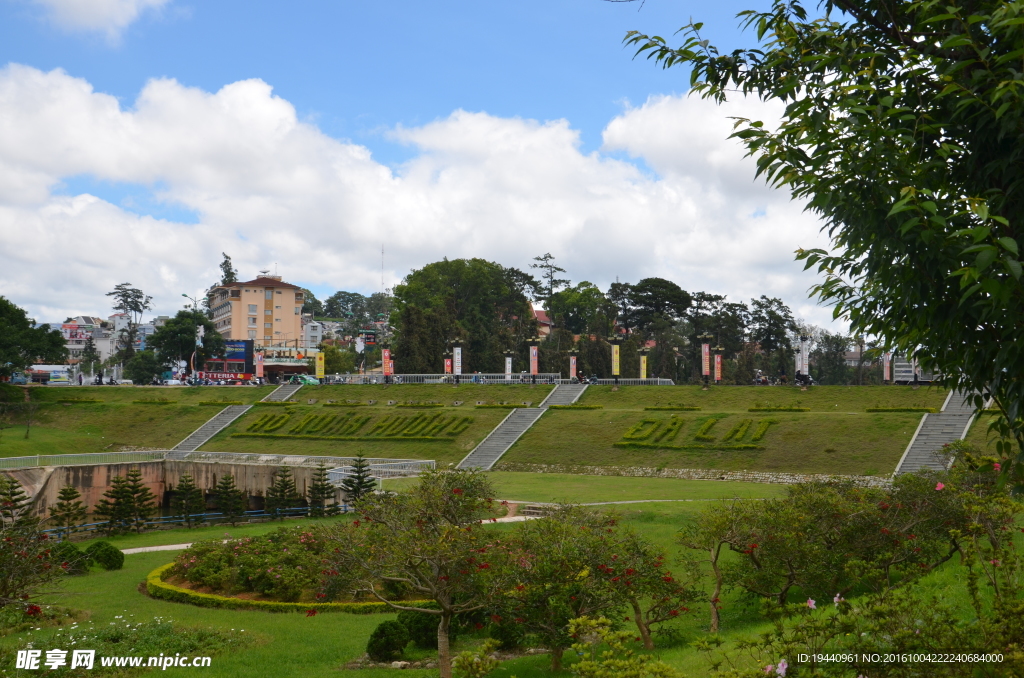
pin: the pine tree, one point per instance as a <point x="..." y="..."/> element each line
<point x="143" y="501"/>
<point x="282" y="493"/>
<point x="188" y="500"/>
<point x="359" y="483"/>
<point x="231" y="501"/>
<point x="320" y="492"/>
<point x="68" y="513"/>
<point x="116" y="507"/>
<point x="15" y="505"/>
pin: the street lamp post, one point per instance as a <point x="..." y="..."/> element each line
<point x="705" y="356"/>
<point x="195" y="334"/>
<point x="509" y="355"/>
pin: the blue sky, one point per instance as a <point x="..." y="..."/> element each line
<point x="144" y="137"/>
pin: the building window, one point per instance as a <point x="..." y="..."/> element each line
<point x="268" y="325"/>
<point x="252" y="322"/>
<point x="252" y="308"/>
<point x="277" y="320"/>
<point x="269" y="294"/>
<point x="298" y="310"/>
<point x="268" y="312"/>
<point x="267" y="338"/>
<point x="252" y="334"/>
<point x="279" y="291"/>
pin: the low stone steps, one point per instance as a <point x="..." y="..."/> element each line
<point x="936" y="430"/>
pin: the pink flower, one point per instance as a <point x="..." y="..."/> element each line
<point x="781" y="668"/>
<point x="994" y="562"/>
<point x="997" y="466"/>
<point x="768" y="669"/>
<point x="811" y="604"/>
<point x="838" y="599"/>
<point x="939" y="486"/>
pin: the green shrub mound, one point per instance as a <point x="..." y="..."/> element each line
<point x="106" y="554"/>
<point x="422" y="628"/>
<point x="71" y="558"/>
<point x="387" y="641"/>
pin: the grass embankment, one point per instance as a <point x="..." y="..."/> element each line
<point x="447" y="394"/>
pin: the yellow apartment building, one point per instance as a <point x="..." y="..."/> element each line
<point x="266" y="310"/>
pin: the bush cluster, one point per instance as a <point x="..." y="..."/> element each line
<point x="106" y="554"/>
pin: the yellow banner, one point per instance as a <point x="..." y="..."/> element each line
<point x="643" y="366"/>
<point x="319" y="365"/>
<point x="615" y="360"/>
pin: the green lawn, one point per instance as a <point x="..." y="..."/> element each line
<point x="564" y="488"/>
<point x="740" y="398"/>
<point x="445" y="451"/>
<point x="849" y="443"/>
<point x="127" y="394"/>
<point x="447" y="394"/>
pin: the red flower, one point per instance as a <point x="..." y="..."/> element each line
<point x="520" y="587"/>
<point x="666" y="578"/>
<point x="33" y="610"/>
<point x="674" y="613"/>
<point x="496" y="618"/>
<point x="310" y="613"/>
<point x="457" y="490"/>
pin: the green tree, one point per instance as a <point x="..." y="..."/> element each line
<point x="90" y="357"/>
<point x="482" y="303"/>
<point x="116" y="507"/>
<point x="901" y="132"/>
<point x="549" y="274"/>
<point x="22" y="345"/>
<point x="320" y="493"/>
<point x="143" y="501"/>
<point x="428" y="539"/>
<point x="311" y="304"/>
<point x="131" y="302"/>
<point x="282" y="493"/>
<point x="359" y="483"/>
<point x="345" y="305"/>
<point x="15" y="505"/>
<point x="829" y="358"/>
<point x="69" y="512"/>
<point x="581" y="309"/>
<point x="27" y="563"/>
<point x="228" y="274"/>
<point x="143" y="367"/>
<point x="618" y="659"/>
<point x="337" y="360"/>
<point x="188" y="500"/>
<point x="176" y="339"/>
<point x="231" y="501"/>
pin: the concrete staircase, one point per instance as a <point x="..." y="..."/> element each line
<point x="212" y="427"/>
<point x="282" y="393"/>
<point x="497" y="442"/>
<point x="934" y="431"/>
<point x="485" y="455"/>
<point x="564" y="394"/>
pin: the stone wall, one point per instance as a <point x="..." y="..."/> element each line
<point x="689" y="473"/>
<point x="44" y="483"/>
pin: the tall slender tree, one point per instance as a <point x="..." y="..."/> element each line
<point x="69" y="512"/>
<point x="228" y="273"/>
<point x="359" y="483"/>
<point x="15" y="505"/>
<point x="143" y="501"/>
<point x="282" y="493"/>
<point x="230" y="500"/>
<point x="116" y="507"/>
<point x="320" y="493"/>
<point x="188" y="500"/>
<point x="132" y="302"/>
<point x="549" y="274"/>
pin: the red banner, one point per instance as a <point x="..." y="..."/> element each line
<point x="447" y="365"/>
<point x="533" y="359"/>
<point x="718" y="368"/>
<point x="572" y="367"/>
<point x="385" y="355"/>
<point x="259" y="365"/>
<point x="705" y="352"/>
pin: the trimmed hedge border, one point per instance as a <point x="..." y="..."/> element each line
<point x="779" y="409"/>
<point x="158" y="588"/>
<point x="285" y="436"/>
<point x="681" y="408"/>
<point x="575" y="407"/>
<point x="657" y="446"/>
<point x="225" y="403"/>
<point x="930" y="410"/>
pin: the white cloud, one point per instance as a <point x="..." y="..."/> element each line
<point x="268" y="188"/>
<point x="105" y="16"/>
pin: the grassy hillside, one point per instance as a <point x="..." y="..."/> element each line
<point x="446" y="394"/>
<point x="844" y="443"/>
<point x="740" y="398"/>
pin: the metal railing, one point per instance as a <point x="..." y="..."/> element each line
<point x="489" y="378"/>
<point x="379" y="467"/>
<point x="625" y="382"/>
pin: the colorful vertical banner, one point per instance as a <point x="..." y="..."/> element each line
<point x="887" y="367"/>
<point x="391" y="367"/>
<point x="572" y="367"/>
<point x="458" y="360"/>
<point x="705" y="354"/>
<point x="259" y="364"/>
<point x="718" y="367"/>
<point x="447" y="365"/>
<point x="508" y="366"/>
<point x="385" y="355"/>
<point x="534" y="359"/>
<point x="319" y="365"/>
<point x="643" y="365"/>
<point x="615" y="360"/>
